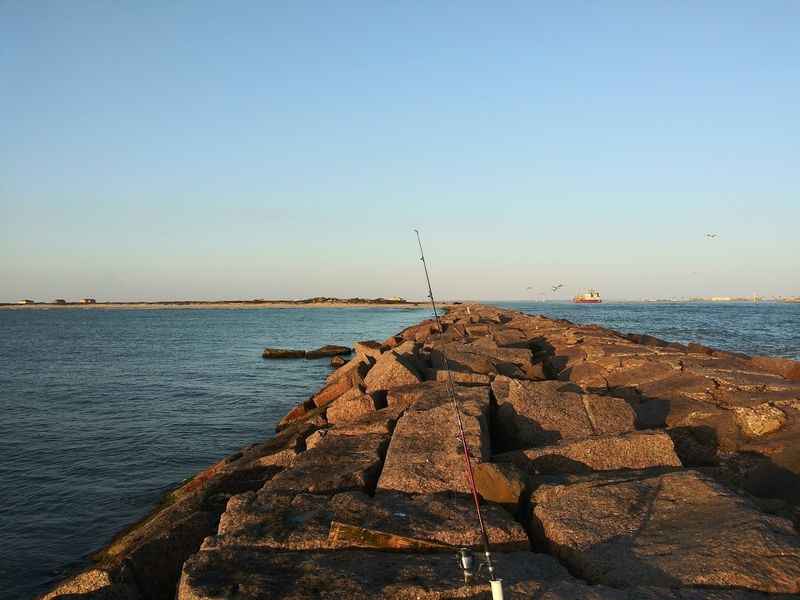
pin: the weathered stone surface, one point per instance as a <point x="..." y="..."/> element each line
<point x="300" y="413"/>
<point x="502" y="483"/>
<point x="283" y="353"/>
<point x="669" y="530"/>
<point x="637" y="371"/>
<point x="250" y="574"/>
<point x="315" y="438"/>
<point x="274" y="520"/>
<point x="337" y="463"/>
<point x="588" y="375"/>
<point x="419" y="332"/>
<point x="457" y="377"/>
<point x="369" y="349"/>
<point x="337" y="361"/>
<point x="637" y="450"/>
<point x="328" y="350"/>
<point x="303" y="522"/>
<point x="508" y="337"/>
<point x="354" y="370"/>
<point x="540" y="413"/>
<point x="380" y="421"/>
<point x="424" y="455"/>
<point x="332" y="391"/>
<point x="573" y="589"/>
<point x="403" y="396"/>
<point x="94" y="584"/>
<point x="782" y="447"/>
<point x="347" y="409"/>
<point x="432" y="517"/>
<point x="390" y="371"/>
<point x="790" y="369"/>
<point x="759" y="420"/>
<point x="483" y="356"/>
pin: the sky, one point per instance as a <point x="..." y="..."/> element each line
<point x="212" y="150"/>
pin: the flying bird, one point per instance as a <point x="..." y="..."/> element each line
<point x="556" y="287"/>
<point x="711" y="236"/>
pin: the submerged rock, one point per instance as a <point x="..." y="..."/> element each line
<point x="282" y="353"/>
<point x="328" y="350"/>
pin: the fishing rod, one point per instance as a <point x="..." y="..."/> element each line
<point x="465" y="559"/>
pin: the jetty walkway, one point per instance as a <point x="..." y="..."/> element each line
<point x="611" y="466"/>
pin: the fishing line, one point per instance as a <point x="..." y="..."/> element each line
<point x="497" y="591"/>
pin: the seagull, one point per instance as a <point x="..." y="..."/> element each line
<point x="556" y="287"/>
<point x="711" y="236"/>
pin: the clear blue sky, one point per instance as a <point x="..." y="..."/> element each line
<point x="158" y="150"/>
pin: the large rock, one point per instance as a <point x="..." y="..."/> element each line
<point x="380" y="421"/>
<point x="485" y="357"/>
<point x="457" y="377"/>
<point x="354" y="370"/>
<point x="638" y="370"/>
<point x="425" y="454"/>
<point x="543" y="412"/>
<point x="636" y="450"/>
<point x="94" y="584"/>
<point x="350" y="408"/>
<point x="503" y="483"/>
<point x="759" y="420"/>
<point x="391" y="370"/>
<point x="369" y="349"/>
<point x="328" y="350"/>
<point x="251" y="574"/>
<point x="390" y="521"/>
<point x="337" y="463"/>
<point x="670" y="530"/>
<point x="573" y="589"/>
<point x="282" y="353"/>
<point x="335" y="390"/>
<point x="790" y="369"/>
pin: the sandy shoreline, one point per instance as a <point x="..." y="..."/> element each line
<point x="215" y="305"/>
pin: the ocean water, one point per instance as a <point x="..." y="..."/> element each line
<point x="105" y="410"/>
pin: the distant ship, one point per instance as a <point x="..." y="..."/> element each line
<point x="590" y="297"/>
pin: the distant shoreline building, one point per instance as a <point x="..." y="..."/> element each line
<point x="88" y="301"/>
<point x="26" y="301"/>
<point x="59" y="301"/>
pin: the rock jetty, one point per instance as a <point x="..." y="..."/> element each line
<point x="611" y="466"/>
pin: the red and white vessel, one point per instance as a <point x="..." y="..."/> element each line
<point x="590" y="297"/>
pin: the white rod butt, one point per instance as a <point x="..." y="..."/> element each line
<point x="497" y="589"/>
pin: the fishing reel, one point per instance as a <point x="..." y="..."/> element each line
<point x="471" y="568"/>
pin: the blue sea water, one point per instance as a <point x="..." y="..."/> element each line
<point x="105" y="410"/>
